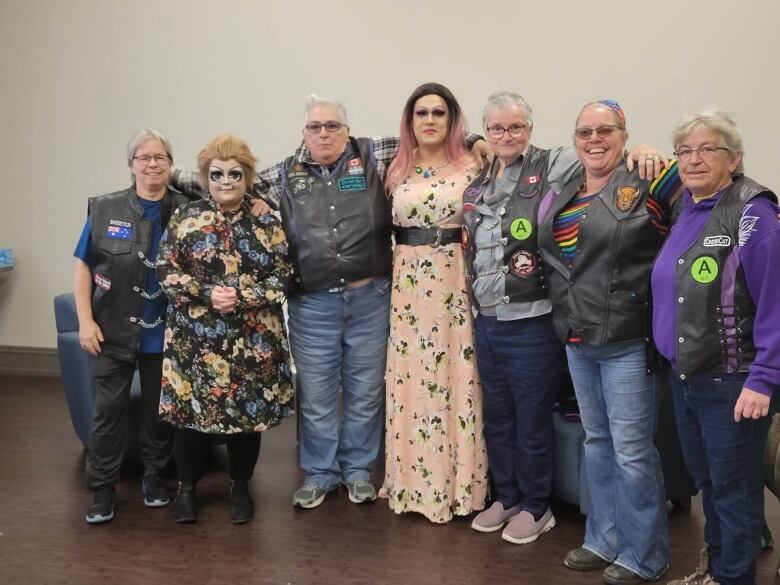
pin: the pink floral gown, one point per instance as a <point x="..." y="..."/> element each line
<point x="435" y="460"/>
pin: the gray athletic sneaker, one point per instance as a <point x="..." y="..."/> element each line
<point x="309" y="496"/>
<point x="361" y="491"/>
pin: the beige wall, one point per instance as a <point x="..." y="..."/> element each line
<point x="79" y="76"/>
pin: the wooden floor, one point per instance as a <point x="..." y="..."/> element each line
<point x="44" y="539"/>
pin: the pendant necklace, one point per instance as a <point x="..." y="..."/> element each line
<point x="430" y="171"/>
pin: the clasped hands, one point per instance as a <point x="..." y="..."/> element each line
<point x="224" y="299"/>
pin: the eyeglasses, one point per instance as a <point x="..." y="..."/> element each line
<point x="145" y="159"/>
<point x="515" y="131"/>
<point x="233" y="176"/>
<point x="708" y="152"/>
<point x="316" y="127"/>
<point x="603" y="131"/>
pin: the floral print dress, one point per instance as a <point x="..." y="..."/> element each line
<point x="435" y="460"/>
<point x="224" y="373"/>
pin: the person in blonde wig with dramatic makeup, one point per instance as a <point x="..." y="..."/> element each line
<point x="225" y="367"/>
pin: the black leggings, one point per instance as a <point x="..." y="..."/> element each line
<point x="190" y="448"/>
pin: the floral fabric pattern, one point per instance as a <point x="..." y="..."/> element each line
<point x="435" y="460"/>
<point x="224" y="373"/>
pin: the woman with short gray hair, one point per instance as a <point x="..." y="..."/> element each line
<point x="716" y="305"/>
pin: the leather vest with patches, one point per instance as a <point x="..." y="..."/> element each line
<point x="120" y="243"/>
<point x="338" y="227"/>
<point x="603" y="298"/>
<point x="715" y="313"/>
<point x="524" y="276"/>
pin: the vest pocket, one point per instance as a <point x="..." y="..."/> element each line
<point x="115" y="247"/>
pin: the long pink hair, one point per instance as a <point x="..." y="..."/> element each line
<point x="455" y="145"/>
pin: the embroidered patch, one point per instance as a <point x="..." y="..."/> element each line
<point x="529" y="195"/>
<point x="626" y="196"/>
<point x="471" y="194"/>
<point x="704" y="269"/>
<point x="523" y="263"/>
<point x="467" y="206"/>
<point x="717" y="242"/>
<point x="532" y="180"/>
<point x="465" y="237"/>
<point x="119" y="229"/>
<point x="747" y="225"/>
<point x="298" y="167"/>
<point x="101" y="281"/>
<point x="299" y="184"/>
<point x="521" y="228"/>
<point x="355" y="166"/>
<point x="352" y="184"/>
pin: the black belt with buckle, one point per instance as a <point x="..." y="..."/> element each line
<point x="414" y="236"/>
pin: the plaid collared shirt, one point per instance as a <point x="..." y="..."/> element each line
<point x="268" y="182"/>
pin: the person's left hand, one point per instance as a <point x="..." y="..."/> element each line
<point x="751" y="404"/>
<point x="649" y="161"/>
<point x="260" y="207"/>
<point x="482" y="152"/>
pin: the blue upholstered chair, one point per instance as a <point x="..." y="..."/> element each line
<point x="77" y="379"/>
<point x="569" y="483"/>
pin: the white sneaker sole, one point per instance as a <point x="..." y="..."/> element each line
<point x="355" y="500"/>
<point x="550" y="524"/>
<point x="481" y="528"/>
<point x="310" y="505"/>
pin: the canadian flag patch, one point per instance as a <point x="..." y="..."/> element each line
<point x="533" y="179"/>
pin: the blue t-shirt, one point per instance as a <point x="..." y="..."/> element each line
<point x="151" y="340"/>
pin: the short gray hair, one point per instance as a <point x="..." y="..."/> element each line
<point x="143" y="136"/>
<point x="712" y="118"/>
<point x="503" y="100"/>
<point x="315" y="100"/>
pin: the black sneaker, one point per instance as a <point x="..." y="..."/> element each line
<point x="155" y="493"/>
<point x="241" y="507"/>
<point x="185" y="507"/>
<point x="103" y="504"/>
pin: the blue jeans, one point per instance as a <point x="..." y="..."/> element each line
<point x="339" y="339"/>
<point x="726" y="460"/>
<point x="519" y="363"/>
<point x="618" y="404"/>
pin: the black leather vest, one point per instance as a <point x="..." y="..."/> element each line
<point x="603" y="298"/>
<point x="715" y="313"/>
<point x="524" y="276"/>
<point x="338" y="227"/>
<point x="120" y="242"/>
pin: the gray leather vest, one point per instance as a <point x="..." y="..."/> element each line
<point x="524" y="275"/>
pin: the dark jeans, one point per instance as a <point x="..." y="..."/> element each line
<point x="112" y="379"/>
<point x="726" y="461"/>
<point x="190" y="449"/>
<point x="519" y="363"/>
